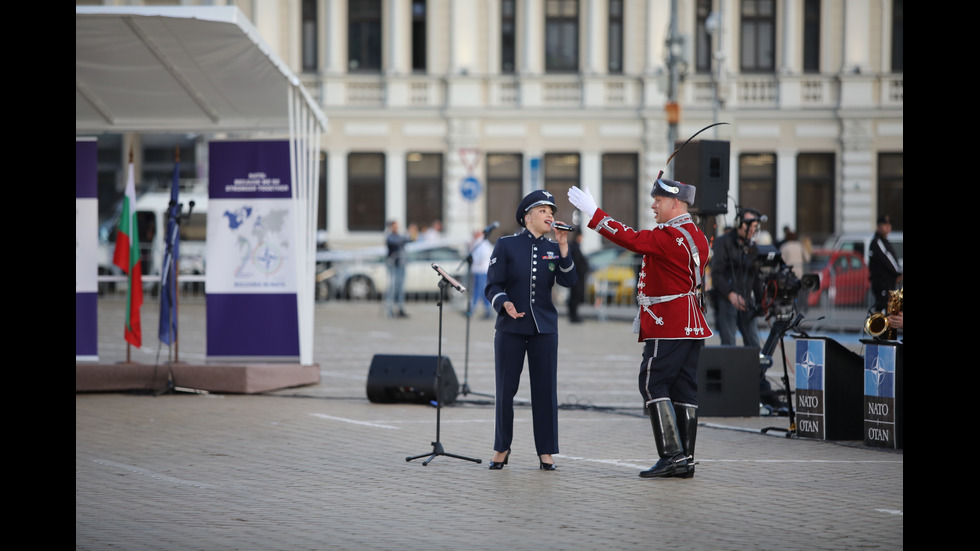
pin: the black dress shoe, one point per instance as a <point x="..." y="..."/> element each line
<point x="497" y="465"/>
<point x="547" y="466"/>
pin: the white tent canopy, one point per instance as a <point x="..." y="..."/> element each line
<point x="177" y="69"/>
<point x="202" y="70"/>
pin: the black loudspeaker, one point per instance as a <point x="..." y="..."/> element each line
<point x="704" y="164"/>
<point x="406" y="378"/>
<point x="728" y="381"/>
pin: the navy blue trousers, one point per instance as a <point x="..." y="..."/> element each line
<point x="541" y="351"/>
<point x="670" y="370"/>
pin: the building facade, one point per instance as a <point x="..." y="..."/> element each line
<point x="452" y="110"/>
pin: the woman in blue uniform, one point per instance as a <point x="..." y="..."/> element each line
<point x="523" y="269"/>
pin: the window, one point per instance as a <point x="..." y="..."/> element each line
<point x="366" y="192"/>
<point x="757" y="186"/>
<point x="811" y="36"/>
<point x="562" y="171"/>
<point x="561" y="36"/>
<point x="418" y="35"/>
<point x="159" y="156"/>
<point x="423" y="188"/>
<point x="364" y="35"/>
<point x="702" y="38"/>
<point x="620" y="177"/>
<point x="508" y="36"/>
<point x="616" y="36"/>
<point x="898" y="35"/>
<point x="758" y="32"/>
<point x="891" y="187"/>
<point x="815" y="195"/>
<point x="504" y="185"/>
<point x="308" y="32"/>
<point x="321" y="219"/>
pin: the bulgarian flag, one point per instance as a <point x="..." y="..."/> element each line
<point x="127" y="257"/>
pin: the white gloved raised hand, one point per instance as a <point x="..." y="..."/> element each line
<point x="583" y="201"/>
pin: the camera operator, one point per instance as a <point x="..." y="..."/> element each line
<point x="735" y="280"/>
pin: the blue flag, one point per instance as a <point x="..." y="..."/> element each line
<point x="168" y="281"/>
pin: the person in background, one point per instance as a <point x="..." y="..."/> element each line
<point x="576" y="296"/>
<point x="395" y="295"/>
<point x="524" y="268"/>
<point x="736" y="280"/>
<point x="796" y="257"/>
<point x="670" y="319"/>
<point x="884" y="271"/>
<point x="482" y="249"/>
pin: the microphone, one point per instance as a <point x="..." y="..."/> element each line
<point x="490" y="228"/>
<point x="449" y="279"/>
<point x="560" y="226"/>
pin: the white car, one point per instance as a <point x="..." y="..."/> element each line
<point x="363" y="275"/>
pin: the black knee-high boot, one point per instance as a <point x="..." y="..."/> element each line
<point x="673" y="460"/>
<point x="687" y="427"/>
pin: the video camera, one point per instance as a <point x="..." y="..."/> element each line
<point x="780" y="284"/>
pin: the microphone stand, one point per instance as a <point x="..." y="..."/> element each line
<point x="465" y="388"/>
<point x="437" y="448"/>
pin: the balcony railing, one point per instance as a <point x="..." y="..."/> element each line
<point x="749" y="92"/>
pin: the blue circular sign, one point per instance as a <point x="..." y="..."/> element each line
<point x="470" y="187"/>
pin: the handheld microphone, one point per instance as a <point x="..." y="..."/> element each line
<point x="564" y="227"/>
<point x="449" y="279"/>
<point x="490" y="228"/>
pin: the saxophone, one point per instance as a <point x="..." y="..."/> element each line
<point x="877" y="324"/>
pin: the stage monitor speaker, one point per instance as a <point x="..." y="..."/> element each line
<point x="728" y="381"/>
<point x="409" y="378"/>
<point x="704" y="164"/>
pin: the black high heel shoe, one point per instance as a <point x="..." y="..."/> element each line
<point x="547" y="466"/>
<point x="497" y="465"/>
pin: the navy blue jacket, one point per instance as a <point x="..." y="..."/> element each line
<point x="523" y="270"/>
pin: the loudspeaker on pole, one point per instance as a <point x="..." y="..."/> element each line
<point x="411" y="378"/>
<point x="704" y="164"/>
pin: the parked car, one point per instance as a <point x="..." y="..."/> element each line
<point x="860" y="242"/>
<point x="843" y="278"/>
<point x="612" y="276"/>
<point x="363" y="275"/>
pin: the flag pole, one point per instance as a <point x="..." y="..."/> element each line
<point x="129" y="281"/>
<point x="176" y="289"/>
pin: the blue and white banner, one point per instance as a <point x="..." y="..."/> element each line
<point x="86" y="250"/>
<point x="251" y="277"/>
<point x="810" y="387"/>
<point x="880" y="396"/>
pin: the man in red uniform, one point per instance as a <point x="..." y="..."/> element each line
<point x="670" y="320"/>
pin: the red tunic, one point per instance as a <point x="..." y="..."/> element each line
<point x="667" y="285"/>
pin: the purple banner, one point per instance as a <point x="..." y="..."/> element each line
<point x="251" y="265"/>
<point x="86" y="250"/>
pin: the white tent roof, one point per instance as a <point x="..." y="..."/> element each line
<point x="178" y="69"/>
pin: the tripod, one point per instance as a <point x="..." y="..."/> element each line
<point x="778" y="331"/>
<point x="465" y="387"/>
<point x="437" y="448"/>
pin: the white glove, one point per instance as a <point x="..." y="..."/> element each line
<point x="583" y="201"/>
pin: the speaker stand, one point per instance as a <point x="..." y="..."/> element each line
<point x="437" y="448"/>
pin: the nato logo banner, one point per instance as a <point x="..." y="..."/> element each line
<point x="251" y="277"/>
<point x="810" y="365"/>
<point x="879" y="396"/>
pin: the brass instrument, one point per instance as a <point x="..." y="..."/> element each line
<point x="877" y="324"/>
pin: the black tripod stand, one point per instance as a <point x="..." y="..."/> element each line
<point x="437" y="448"/>
<point x="778" y="332"/>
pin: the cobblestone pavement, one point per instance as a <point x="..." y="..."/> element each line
<point x="322" y="467"/>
